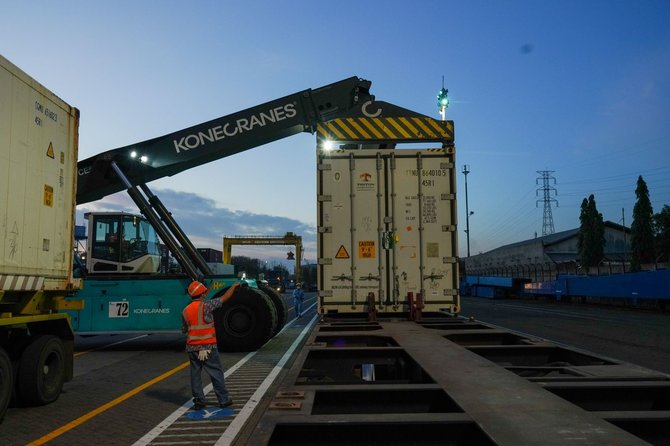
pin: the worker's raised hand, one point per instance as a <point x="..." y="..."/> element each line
<point x="230" y="291"/>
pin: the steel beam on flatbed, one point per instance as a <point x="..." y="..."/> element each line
<point x="400" y="382"/>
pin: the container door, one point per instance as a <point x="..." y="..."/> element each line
<point x="423" y="210"/>
<point x="351" y="218"/>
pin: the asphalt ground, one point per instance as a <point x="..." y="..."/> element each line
<point x="637" y="336"/>
<point x="123" y="387"/>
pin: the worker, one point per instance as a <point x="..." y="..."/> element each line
<point x="298" y="296"/>
<point x="198" y="323"/>
<point x="112" y="247"/>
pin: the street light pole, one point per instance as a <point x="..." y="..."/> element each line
<point x="466" y="171"/>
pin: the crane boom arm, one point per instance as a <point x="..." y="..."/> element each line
<point x="178" y="151"/>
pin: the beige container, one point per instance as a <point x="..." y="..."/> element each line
<point x="387" y="230"/>
<point x="38" y="165"/>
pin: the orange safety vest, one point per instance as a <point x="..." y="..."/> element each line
<point x="200" y="332"/>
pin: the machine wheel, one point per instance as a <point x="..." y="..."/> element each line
<point x="41" y="371"/>
<point x="245" y="322"/>
<point x="280" y="305"/>
<point x="6" y="382"/>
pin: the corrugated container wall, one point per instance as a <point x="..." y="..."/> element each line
<point x="387" y="228"/>
<point x="38" y="166"/>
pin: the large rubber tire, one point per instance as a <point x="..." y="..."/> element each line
<point x="245" y="322"/>
<point x="41" y="371"/>
<point x="6" y="382"/>
<point x="280" y="305"/>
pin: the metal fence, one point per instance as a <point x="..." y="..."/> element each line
<point x="541" y="272"/>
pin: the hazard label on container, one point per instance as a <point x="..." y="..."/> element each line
<point x="48" y="196"/>
<point x="342" y="253"/>
<point x="50" y="151"/>
<point x="366" y="249"/>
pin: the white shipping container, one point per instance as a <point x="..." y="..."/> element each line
<point x="387" y="230"/>
<point x="38" y="164"/>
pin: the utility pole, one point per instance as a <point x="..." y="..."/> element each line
<point x="547" y="218"/>
<point x="466" y="171"/>
<point x="623" y="223"/>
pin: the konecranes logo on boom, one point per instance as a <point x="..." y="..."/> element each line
<point x="234" y="128"/>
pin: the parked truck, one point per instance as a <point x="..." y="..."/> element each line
<point x="38" y="169"/>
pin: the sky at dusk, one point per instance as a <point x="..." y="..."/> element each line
<point x="578" y="88"/>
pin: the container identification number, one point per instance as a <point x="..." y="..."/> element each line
<point x="39" y="108"/>
<point x="427" y="172"/>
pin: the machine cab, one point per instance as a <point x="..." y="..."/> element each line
<point x="119" y="242"/>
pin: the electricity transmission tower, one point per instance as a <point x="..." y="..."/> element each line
<point x="547" y="189"/>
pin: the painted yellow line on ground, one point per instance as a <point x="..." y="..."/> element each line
<point x="84" y="418"/>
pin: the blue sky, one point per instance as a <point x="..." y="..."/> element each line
<point x="578" y="88"/>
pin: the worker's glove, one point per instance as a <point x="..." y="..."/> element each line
<point x="203" y="355"/>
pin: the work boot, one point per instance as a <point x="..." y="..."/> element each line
<point x="199" y="406"/>
<point x="227" y="403"/>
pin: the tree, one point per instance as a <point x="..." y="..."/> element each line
<point x="642" y="229"/>
<point x="250" y="266"/>
<point x="309" y="273"/>
<point x="662" y="231"/>
<point x="591" y="242"/>
<point x="584" y="229"/>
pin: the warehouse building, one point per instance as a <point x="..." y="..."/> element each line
<point x="543" y="257"/>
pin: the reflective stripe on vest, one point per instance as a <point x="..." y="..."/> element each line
<point x="199" y="331"/>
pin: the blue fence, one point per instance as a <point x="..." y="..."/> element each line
<point x="491" y="287"/>
<point x="642" y="285"/>
<point x="647" y="285"/>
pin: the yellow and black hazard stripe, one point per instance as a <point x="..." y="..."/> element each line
<point x="386" y="129"/>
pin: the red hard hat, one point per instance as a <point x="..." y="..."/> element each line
<point x="196" y="289"/>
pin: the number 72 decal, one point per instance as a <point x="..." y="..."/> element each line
<point x="118" y="309"/>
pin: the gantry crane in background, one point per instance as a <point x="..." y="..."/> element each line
<point x="288" y="239"/>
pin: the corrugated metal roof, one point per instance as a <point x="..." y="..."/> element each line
<point x="557" y="237"/>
